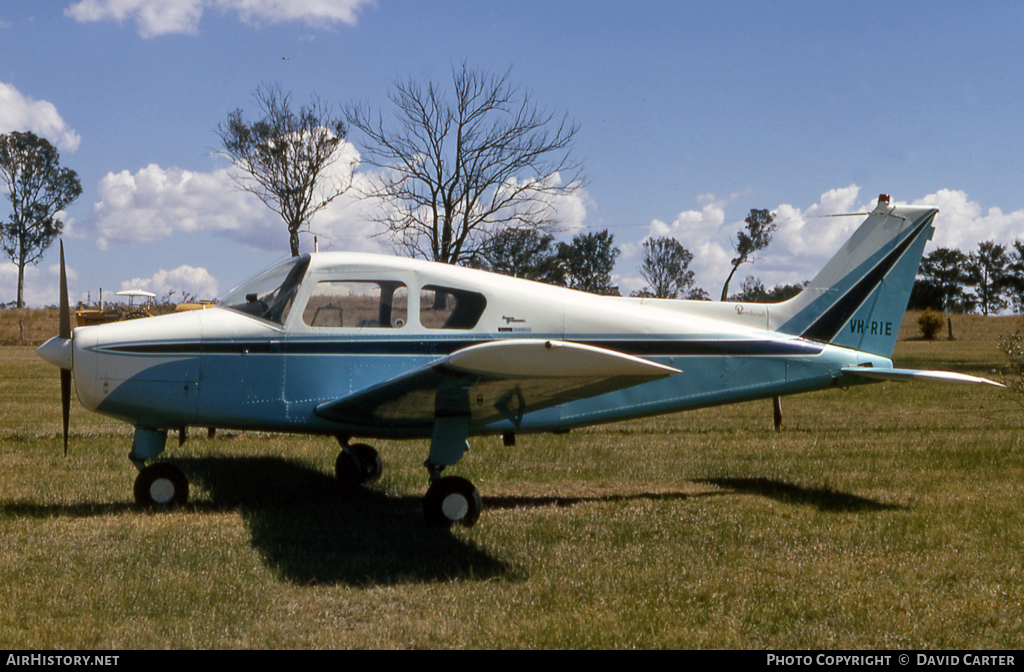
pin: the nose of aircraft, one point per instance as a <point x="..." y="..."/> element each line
<point x="57" y="351"/>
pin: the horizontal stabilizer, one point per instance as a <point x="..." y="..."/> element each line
<point x="917" y="375"/>
<point x="493" y="381"/>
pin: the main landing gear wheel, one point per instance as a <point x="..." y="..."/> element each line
<point x="452" y="499"/>
<point x="357" y="464"/>
<point x="161" y="485"/>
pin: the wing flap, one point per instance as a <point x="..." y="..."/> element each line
<point x="492" y="381"/>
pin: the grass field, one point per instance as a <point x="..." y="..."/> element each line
<point x="886" y="516"/>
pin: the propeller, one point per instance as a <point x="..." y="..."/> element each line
<point x="58" y="350"/>
<point x="64" y="333"/>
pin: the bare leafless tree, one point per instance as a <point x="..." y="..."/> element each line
<point x="457" y="169"/>
<point x="285" y="158"/>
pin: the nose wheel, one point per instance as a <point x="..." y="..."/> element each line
<point x="161" y="485"/>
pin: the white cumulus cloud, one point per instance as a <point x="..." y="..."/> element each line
<point x="19" y="112"/>
<point x="156" y="203"/>
<point x="152" y="17"/>
<point x="815" y="233"/>
<point x="42" y="285"/>
<point x="698" y="231"/>
<point x="161" y="17"/>
<point x="808" y="237"/>
<point x="963" y="223"/>
<point x="310" y="12"/>
<point x="184" y="280"/>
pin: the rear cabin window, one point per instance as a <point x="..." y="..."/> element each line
<point x="448" y="308"/>
<point x="370" y="304"/>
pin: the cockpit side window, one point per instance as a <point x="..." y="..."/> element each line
<point x="269" y="296"/>
<point x="375" y="304"/>
<point x="449" y="308"/>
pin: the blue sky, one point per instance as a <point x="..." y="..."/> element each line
<point x="690" y="114"/>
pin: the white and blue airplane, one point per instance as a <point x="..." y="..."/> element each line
<point x="359" y="345"/>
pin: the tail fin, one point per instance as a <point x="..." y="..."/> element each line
<point x="859" y="298"/>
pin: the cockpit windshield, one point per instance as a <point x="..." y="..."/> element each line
<point x="270" y="294"/>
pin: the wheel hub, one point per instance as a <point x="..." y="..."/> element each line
<point x="162" y="490"/>
<point x="455" y="506"/>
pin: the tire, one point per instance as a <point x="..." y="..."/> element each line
<point x="370" y="462"/>
<point x="161" y="485"/>
<point x="452" y="500"/>
<point x="359" y="464"/>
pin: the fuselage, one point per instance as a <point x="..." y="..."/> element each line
<point x="326" y="326"/>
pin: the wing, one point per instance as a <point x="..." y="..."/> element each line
<point x="492" y="381"/>
<point x="916" y="375"/>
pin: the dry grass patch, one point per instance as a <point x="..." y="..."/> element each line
<point x="28" y="326"/>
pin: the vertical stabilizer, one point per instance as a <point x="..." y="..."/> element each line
<point x="859" y="298"/>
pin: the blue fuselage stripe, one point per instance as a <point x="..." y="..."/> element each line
<point x="639" y="348"/>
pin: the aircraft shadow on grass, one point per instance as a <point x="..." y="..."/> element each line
<point x="309" y="529"/>
<point x="510" y="502"/>
<point x="312" y="531"/>
<point x="824" y="499"/>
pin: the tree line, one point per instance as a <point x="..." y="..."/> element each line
<point x="587" y="261"/>
<point x="988" y="280"/>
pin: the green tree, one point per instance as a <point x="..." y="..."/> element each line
<point x="284" y="158"/>
<point x="1015" y="277"/>
<point x="925" y="294"/>
<point x="38" y="190"/>
<point x="945" y="274"/>
<point x="783" y="291"/>
<point x="521" y="254"/>
<point x="760" y="225"/>
<point x="586" y="263"/>
<point x="666" y="268"/>
<point x="752" y="290"/>
<point x="987" y="271"/>
<point x="459" y="167"/>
